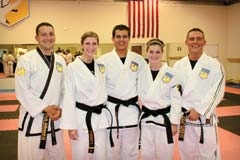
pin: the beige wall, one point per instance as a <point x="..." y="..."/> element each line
<point x="233" y="42"/>
<point x="72" y="18"/>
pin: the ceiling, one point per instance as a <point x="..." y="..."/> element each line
<point x="213" y="2"/>
<point x="208" y="2"/>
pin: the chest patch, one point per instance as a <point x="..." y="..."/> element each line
<point x="20" y="71"/>
<point x="166" y="78"/>
<point x="59" y="67"/>
<point x="134" y="66"/>
<point x="101" y="68"/>
<point x="204" y="73"/>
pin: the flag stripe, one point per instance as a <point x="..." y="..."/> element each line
<point x="129" y="15"/>
<point x="134" y="21"/>
<point x="152" y="18"/>
<point x="148" y="19"/>
<point x="157" y="20"/>
<point x="143" y="18"/>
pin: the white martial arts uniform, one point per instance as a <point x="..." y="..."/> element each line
<point x="203" y="89"/>
<point x="30" y="78"/>
<point x="122" y="84"/>
<point x="158" y="94"/>
<point x="83" y="87"/>
<point x="5" y="65"/>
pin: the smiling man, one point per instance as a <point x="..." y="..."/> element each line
<point x="122" y="74"/>
<point x="203" y="83"/>
<point x="39" y="89"/>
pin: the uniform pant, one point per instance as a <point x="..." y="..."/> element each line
<point x="10" y="69"/>
<point x="80" y="146"/>
<point x="154" y="144"/>
<point x="28" y="148"/>
<point x="190" y="148"/>
<point x="126" y="146"/>
<point x="5" y="68"/>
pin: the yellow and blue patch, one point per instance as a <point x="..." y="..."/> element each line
<point x="20" y="71"/>
<point x="134" y="66"/>
<point x="101" y="68"/>
<point x="59" y="67"/>
<point x="166" y="78"/>
<point x="204" y="73"/>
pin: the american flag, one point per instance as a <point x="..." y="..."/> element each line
<point x="143" y="18"/>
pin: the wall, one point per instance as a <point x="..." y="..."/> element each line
<point x="233" y="43"/>
<point x="72" y="18"/>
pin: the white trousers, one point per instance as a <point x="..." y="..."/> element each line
<point x="5" y="68"/>
<point x="126" y="146"/>
<point x="154" y="144"/>
<point x="10" y="69"/>
<point x="80" y="146"/>
<point x="190" y="148"/>
<point x="28" y="147"/>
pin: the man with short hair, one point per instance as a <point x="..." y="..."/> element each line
<point x="122" y="72"/>
<point x="39" y="89"/>
<point x="203" y="83"/>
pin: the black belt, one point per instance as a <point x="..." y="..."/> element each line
<point x="183" y="124"/>
<point x="90" y="110"/>
<point x="118" y="102"/>
<point x="43" y="139"/>
<point x="147" y="112"/>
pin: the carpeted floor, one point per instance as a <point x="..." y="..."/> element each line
<point x="9" y="102"/>
<point x="230" y="99"/>
<point x="8" y="145"/>
<point x="231" y="123"/>
<point x="8" y="139"/>
<point x="9" y="115"/>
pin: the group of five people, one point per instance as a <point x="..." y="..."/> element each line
<point x="117" y="104"/>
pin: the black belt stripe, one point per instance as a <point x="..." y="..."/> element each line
<point x="90" y="110"/>
<point x="147" y="112"/>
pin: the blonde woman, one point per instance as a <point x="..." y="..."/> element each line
<point x="84" y="112"/>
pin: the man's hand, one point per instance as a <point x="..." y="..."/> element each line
<point x="53" y="112"/>
<point x="193" y="115"/>
<point x="73" y="134"/>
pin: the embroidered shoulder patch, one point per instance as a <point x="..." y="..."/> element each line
<point x="204" y="73"/>
<point x="134" y="66"/>
<point x="167" y="77"/>
<point x="101" y="68"/>
<point x="59" y="67"/>
<point x="20" y="71"/>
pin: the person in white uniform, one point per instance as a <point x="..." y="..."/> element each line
<point x="84" y="106"/>
<point x="160" y="96"/>
<point x="122" y="71"/>
<point x="203" y="83"/>
<point x="5" y="64"/>
<point x="10" y="62"/>
<point x="39" y="89"/>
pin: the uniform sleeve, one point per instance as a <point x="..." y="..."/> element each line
<point x="175" y="96"/>
<point x="214" y="95"/>
<point x="28" y="99"/>
<point x="68" y="119"/>
<point x="141" y="88"/>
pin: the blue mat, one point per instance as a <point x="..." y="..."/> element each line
<point x="7" y="90"/>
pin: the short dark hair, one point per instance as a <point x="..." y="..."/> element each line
<point x="43" y="24"/>
<point x="195" y="29"/>
<point x="120" y="27"/>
